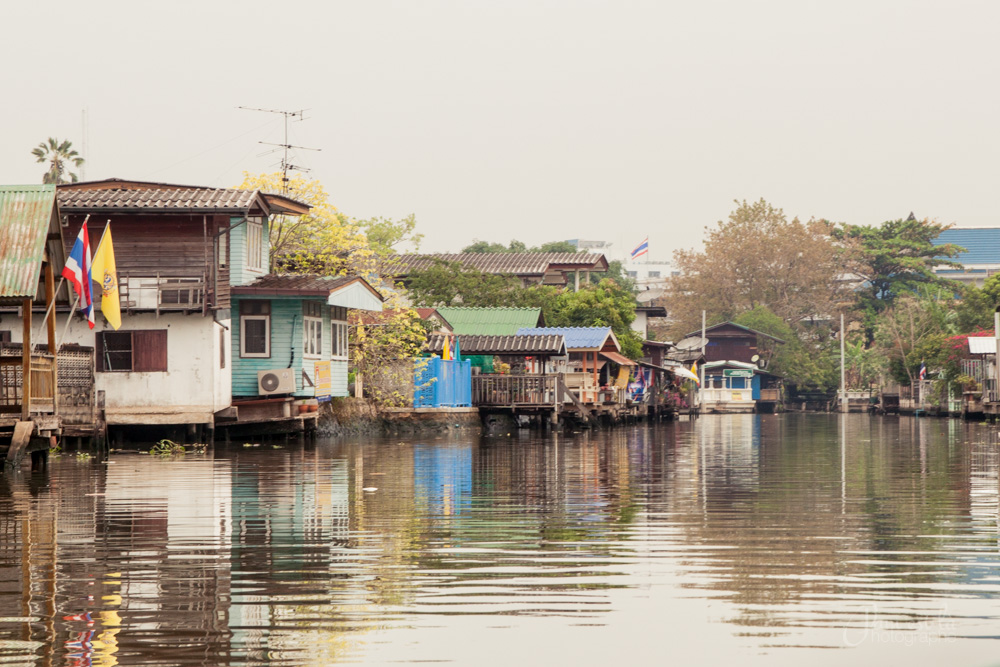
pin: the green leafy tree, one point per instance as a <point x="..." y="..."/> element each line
<point x="805" y="359"/>
<point x="605" y="304"/>
<point x="977" y="305"/>
<point x="518" y="246"/>
<point x="453" y="284"/>
<point x="385" y="234"/>
<point x="912" y="331"/>
<point x="555" y="246"/>
<point x="893" y="259"/>
<point x="59" y="155"/>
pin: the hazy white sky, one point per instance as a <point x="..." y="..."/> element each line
<point x="535" y="119"/>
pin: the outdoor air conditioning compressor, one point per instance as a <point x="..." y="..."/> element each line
<point x="280" y="381"/>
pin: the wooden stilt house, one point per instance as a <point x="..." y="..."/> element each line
<point x="31" y="255"/>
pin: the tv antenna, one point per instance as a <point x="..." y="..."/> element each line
<point x="286" y="166"/>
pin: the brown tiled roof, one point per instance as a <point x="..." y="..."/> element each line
<point x="191" y="199"/>
<point x="512" y="345"/>
<point x="517" y="263"/>
<point x="304" y="284"/>
<point x="116" y="194"/>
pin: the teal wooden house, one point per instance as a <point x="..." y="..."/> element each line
<point x="289" y="334"/>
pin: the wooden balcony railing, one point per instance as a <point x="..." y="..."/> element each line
<point x="514" y="390"/>
<point x="160" y="293"/>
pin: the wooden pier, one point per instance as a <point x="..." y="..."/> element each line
<point x="551" y="399"/>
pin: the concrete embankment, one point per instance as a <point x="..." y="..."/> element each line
<point x="353" y="416"/>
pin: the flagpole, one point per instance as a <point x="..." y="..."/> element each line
<point x="48" y="311"/>
<point x="101" y="242"/>
<point x="69" y="319"/>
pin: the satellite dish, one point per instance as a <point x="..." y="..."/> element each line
<point x="648" y="295"/>
<point x="755" y="358"/>
<point x="692" y="343"/>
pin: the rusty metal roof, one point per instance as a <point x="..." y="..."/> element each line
<point x="516" y="263"/>
<point x="26" y="213"/>
<point x="504" y="345"/>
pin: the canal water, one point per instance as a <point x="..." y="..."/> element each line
<point x="770" y="539"/>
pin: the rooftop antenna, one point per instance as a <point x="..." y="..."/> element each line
<point x="286" y="166"/>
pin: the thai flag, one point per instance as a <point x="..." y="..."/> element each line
<point x="923" y="371"/>
<point x="641" y="249"/>
<point x="77" y="272"/>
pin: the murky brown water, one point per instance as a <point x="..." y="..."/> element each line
<point x="772" y="539"/>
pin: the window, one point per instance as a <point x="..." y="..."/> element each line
<point x="654" y="274"/>
<point x="255" y="231"/>
<point x="339" y="340"/>
<point x="312" y="329"/>
<point x="223" y="242"/>
<point x="632" y="274"/>
<point x="255" y="329"/>
<point x="338" y="317"/>
<point x="141" y="351"/>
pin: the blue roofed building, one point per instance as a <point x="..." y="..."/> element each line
<point x="981" y="258"/>
<point x="588" y="351"/>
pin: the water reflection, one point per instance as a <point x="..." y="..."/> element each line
<point x="776" y="534"/>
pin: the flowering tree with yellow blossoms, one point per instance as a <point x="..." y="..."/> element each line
<point x="327" y="242"/>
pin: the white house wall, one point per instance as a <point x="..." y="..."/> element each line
<point x="191" y="390"/>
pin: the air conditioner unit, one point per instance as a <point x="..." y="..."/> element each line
<point x="280" y="381"/>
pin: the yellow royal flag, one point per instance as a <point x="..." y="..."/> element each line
<point x="104" y="271"/>
<point x="446" y="353"/>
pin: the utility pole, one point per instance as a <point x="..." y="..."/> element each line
<point x="286" y="166"/>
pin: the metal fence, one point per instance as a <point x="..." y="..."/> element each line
<point x="442" y="384"/>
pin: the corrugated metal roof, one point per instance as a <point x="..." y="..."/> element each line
<point x="618" y="358"/>
<point x="490" y="321"/>
<point x="513" y="345"/>
<point x="25" y="215"/>
<point x="517" y="263"/>
<point x="982" y="244"/>
<point x="577" y="338"/>
<point x="982" y="345"/>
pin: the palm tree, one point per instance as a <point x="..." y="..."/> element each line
<point x="58" y="155"/>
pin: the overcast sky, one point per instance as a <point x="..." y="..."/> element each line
<point x="534" y="120"/>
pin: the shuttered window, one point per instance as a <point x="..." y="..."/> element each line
<point x="254" y="243"/>
<point x="139" y="351"/>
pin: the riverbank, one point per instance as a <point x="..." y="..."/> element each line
<point x="355" y="416"/>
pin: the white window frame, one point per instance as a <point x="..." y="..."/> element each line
<point x="267" y="337"/>
<point x="311" y="326"/>
<point x="338" y="348"/>
<point x="255" y="234"/>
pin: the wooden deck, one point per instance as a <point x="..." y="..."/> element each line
<point x="554" y="396"/>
